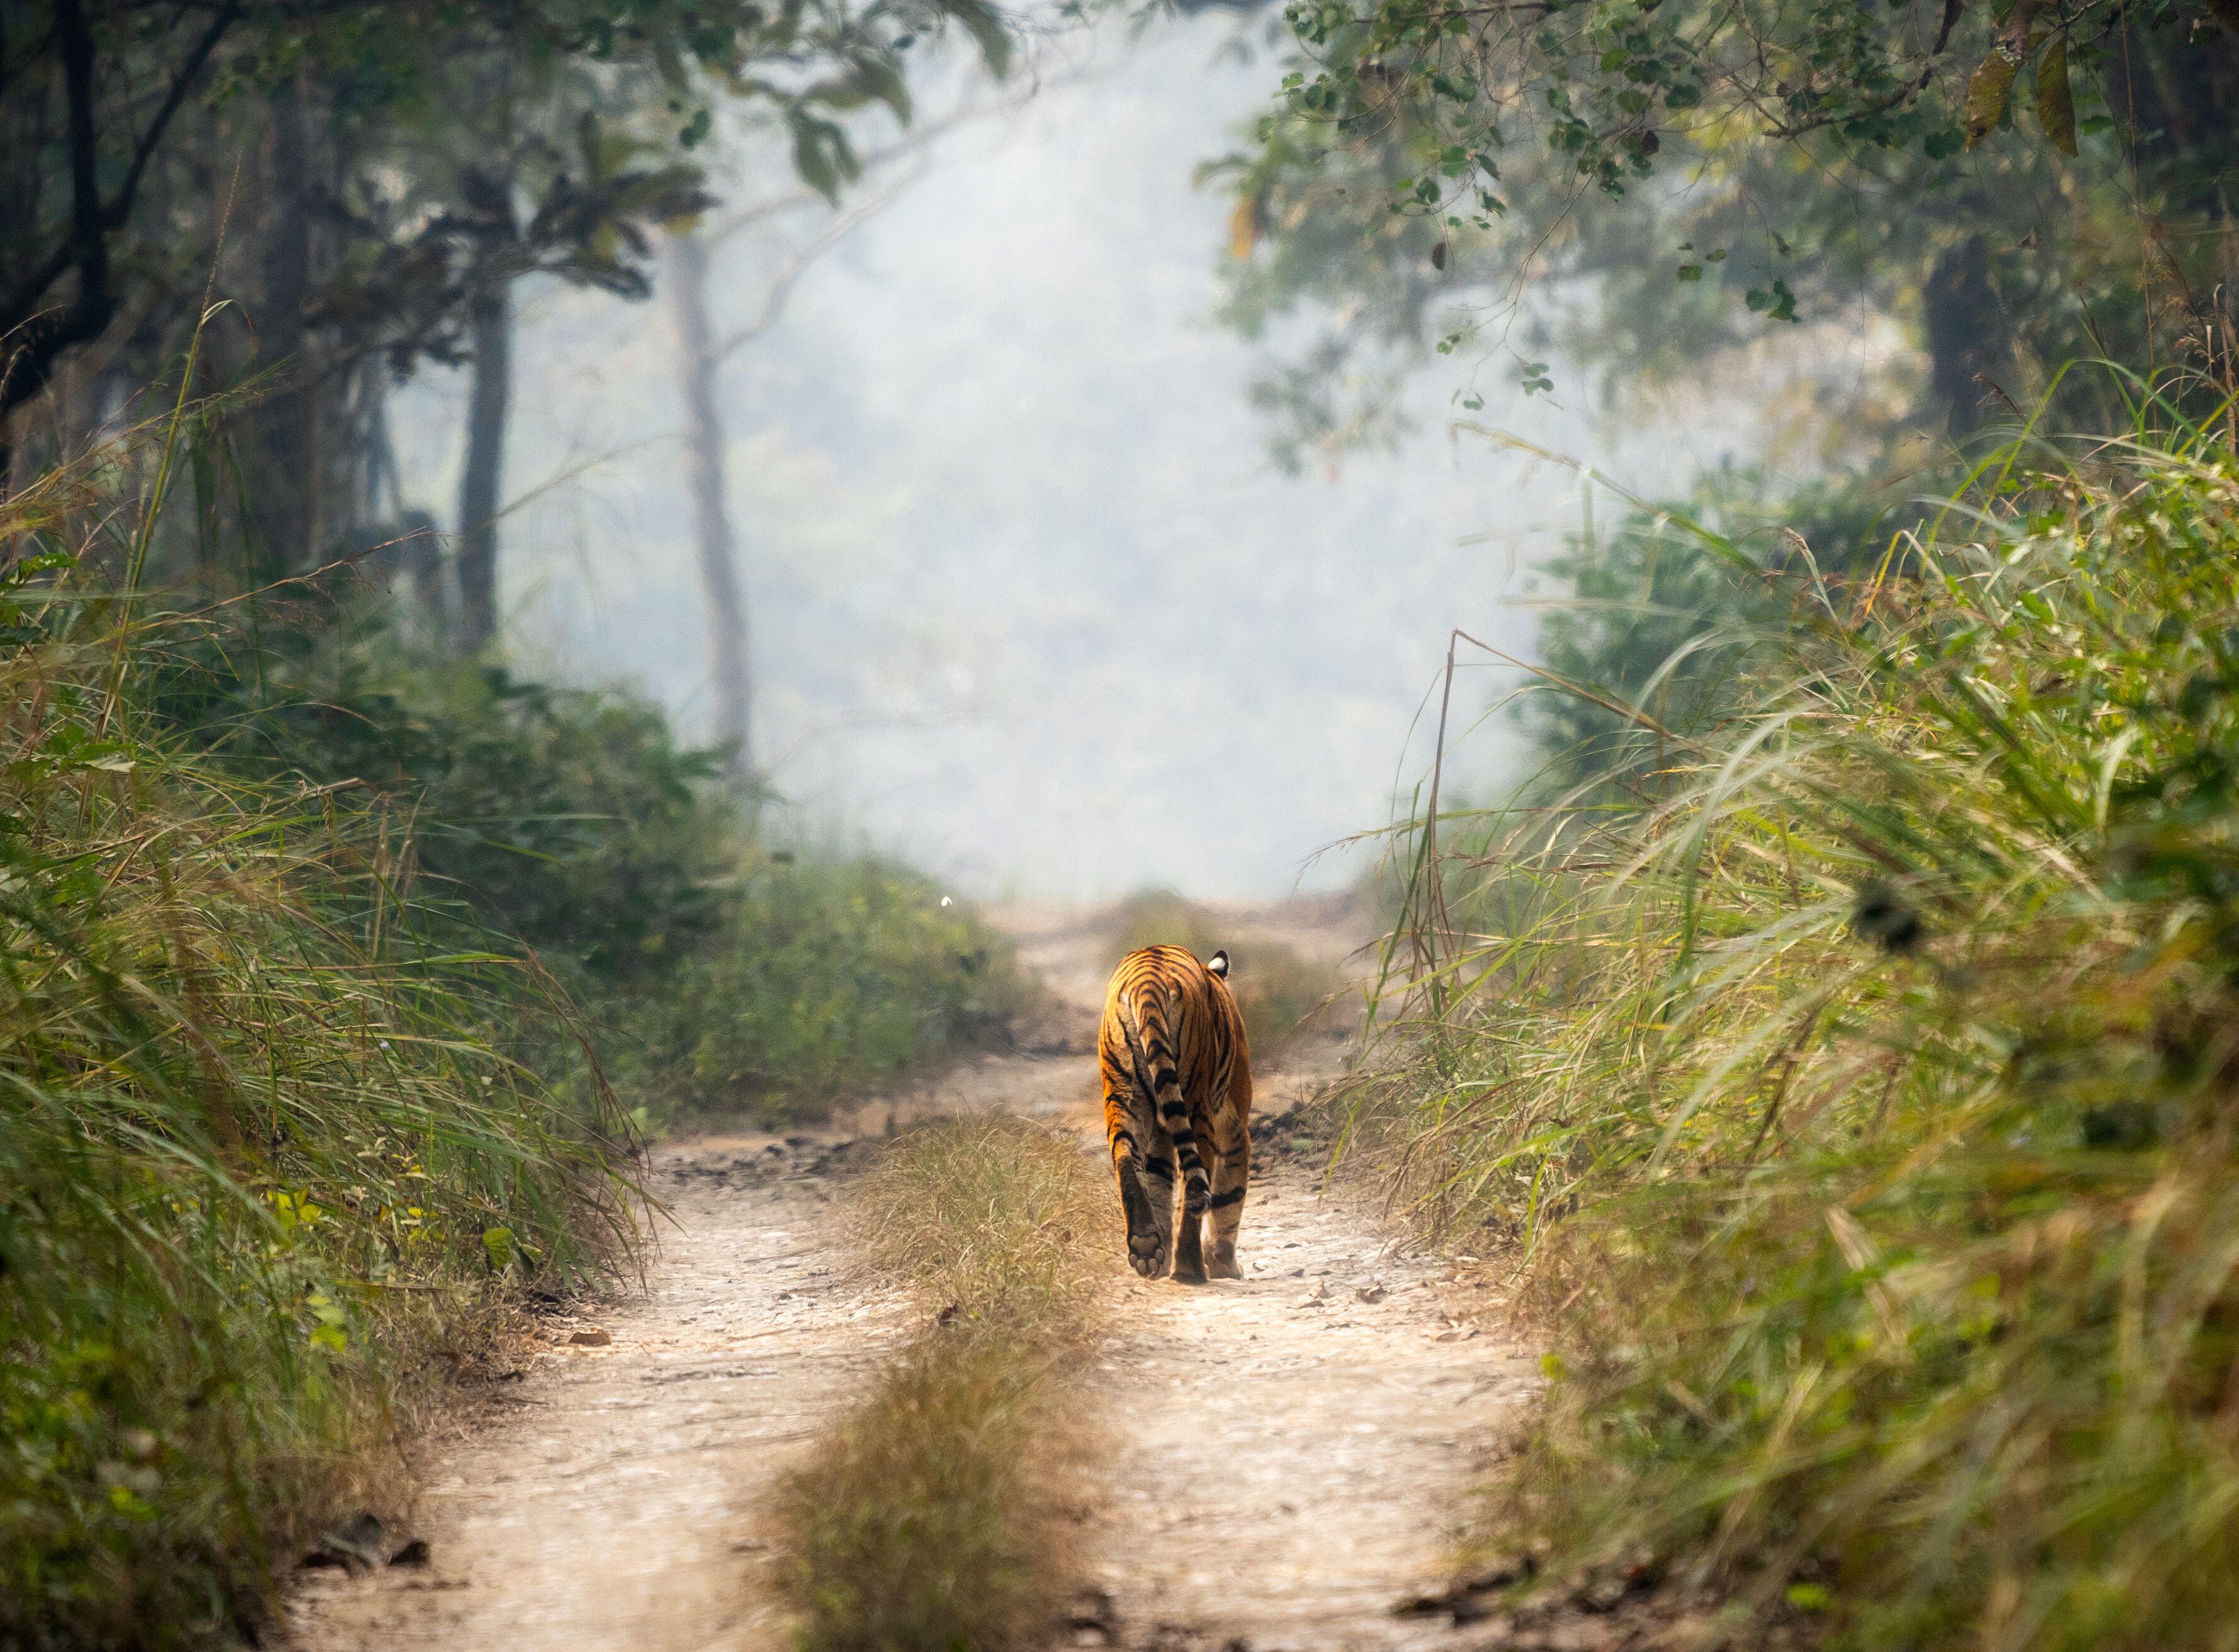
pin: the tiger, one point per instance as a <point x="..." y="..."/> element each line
<point x="1177" y="1073"/>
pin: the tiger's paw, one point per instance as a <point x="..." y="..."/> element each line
<point x="1143" y="1254"/>
<point x="1223" y="1268"/>
<point x="1189" y="1276"/>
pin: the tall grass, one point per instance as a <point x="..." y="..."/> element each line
<point x="1864" y="1107"/>
<point x="261" y="1155"/>
<point x="932" y="1516"/>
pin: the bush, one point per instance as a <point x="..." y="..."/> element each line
<point x="722" y="977"/>
<point x="832" y="974"/>
<point x="1867" y="1108"/>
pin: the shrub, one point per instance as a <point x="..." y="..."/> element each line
<point x="721" y="976"/>
<point x="832" y="972"/>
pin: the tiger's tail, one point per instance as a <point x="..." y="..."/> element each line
<point x="1153" y="1036"/>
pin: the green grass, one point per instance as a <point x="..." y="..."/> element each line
<point x="833" y="974"/>
<point x="264" y="1156"/>
<point x="1281" y="995"/>
<point x="1863" y="1108"/>
<point x="932" y="1516"/>
<point x="336" y="982"/>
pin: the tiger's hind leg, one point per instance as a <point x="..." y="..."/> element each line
<point x="1189" y="1251"/>
<point x="1224" y="1215"/>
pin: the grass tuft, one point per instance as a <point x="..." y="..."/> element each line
<point x="932" y="1516"/>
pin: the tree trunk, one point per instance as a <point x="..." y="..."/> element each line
<point x="285" y="494"/>
<point x="715" y="546"/>
<point x="489" y="320"/>
<point x="1965" y="328"/>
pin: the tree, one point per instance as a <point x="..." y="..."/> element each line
<point x="700" y="356"/>
<point x="304" y="161"/>
<point x="1654" y="184"/>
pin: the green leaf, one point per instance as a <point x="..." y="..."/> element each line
<point x="985" y="24"/>
<point x="498" y="1242"/>
<point x="1988" y="91"/>
<point x="812" y="157"/>
<point x="1776" y="303"/>
<point x="1690" y="272"/>
<point x="2055" y="100"/>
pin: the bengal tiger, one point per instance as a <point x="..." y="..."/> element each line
<point x="1177" y="1096"/>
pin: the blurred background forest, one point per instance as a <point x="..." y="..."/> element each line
<point x="543" y="543"/>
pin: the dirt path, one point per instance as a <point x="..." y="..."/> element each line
<point x="1296" y="1443"/>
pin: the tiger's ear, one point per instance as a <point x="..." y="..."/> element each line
<point x="1217" y="964"/>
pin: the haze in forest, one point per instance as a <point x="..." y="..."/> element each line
<point x="1030" y="602"/>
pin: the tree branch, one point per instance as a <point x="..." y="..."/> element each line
<point x="26" y="372"/>
<point x="788" y="277"/>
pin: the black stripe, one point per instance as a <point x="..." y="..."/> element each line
<point x="1118" y="1136"/>
<point x="1161" y="1168"/>
<point x="1222" y="1201"/>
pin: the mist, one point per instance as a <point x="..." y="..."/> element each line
<point x="1030" y="604"/>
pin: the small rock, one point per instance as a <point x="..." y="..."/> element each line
<point x="1603" y="1595"/>
<point x="590" y="1336"/>
<point x="354" y="1546"/>
<point x="1372" y="1293"/>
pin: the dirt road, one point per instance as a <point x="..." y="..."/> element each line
<point x="1297" y="1441"/>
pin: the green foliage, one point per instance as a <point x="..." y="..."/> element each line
<point x="1281" y="995"/>
<point x="452" y="149"/>
<point x="1864" y="1105"/>
<point x="1647" y="185"/>
<point x="1663" y="617"/>
<point x="261" y="1145"/>
<point x="833" y="973"/>
<point x="722" y="977"/>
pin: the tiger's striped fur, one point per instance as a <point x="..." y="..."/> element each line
<point x="1178" y="1075"/>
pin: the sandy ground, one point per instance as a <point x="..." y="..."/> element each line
<point x="1298" y="1443"/>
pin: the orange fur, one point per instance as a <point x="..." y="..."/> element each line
<point x="1177" y="1073"/>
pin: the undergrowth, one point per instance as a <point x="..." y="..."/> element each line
<point x="1862" y="1101"/>
<point x="261" y="1148"/>
<point x="723" y="976"/>
<point x="932" y="1516"/>
<point x="336" y="982"/>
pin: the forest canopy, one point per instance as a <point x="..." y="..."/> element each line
<point x="1659" y="185"/>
